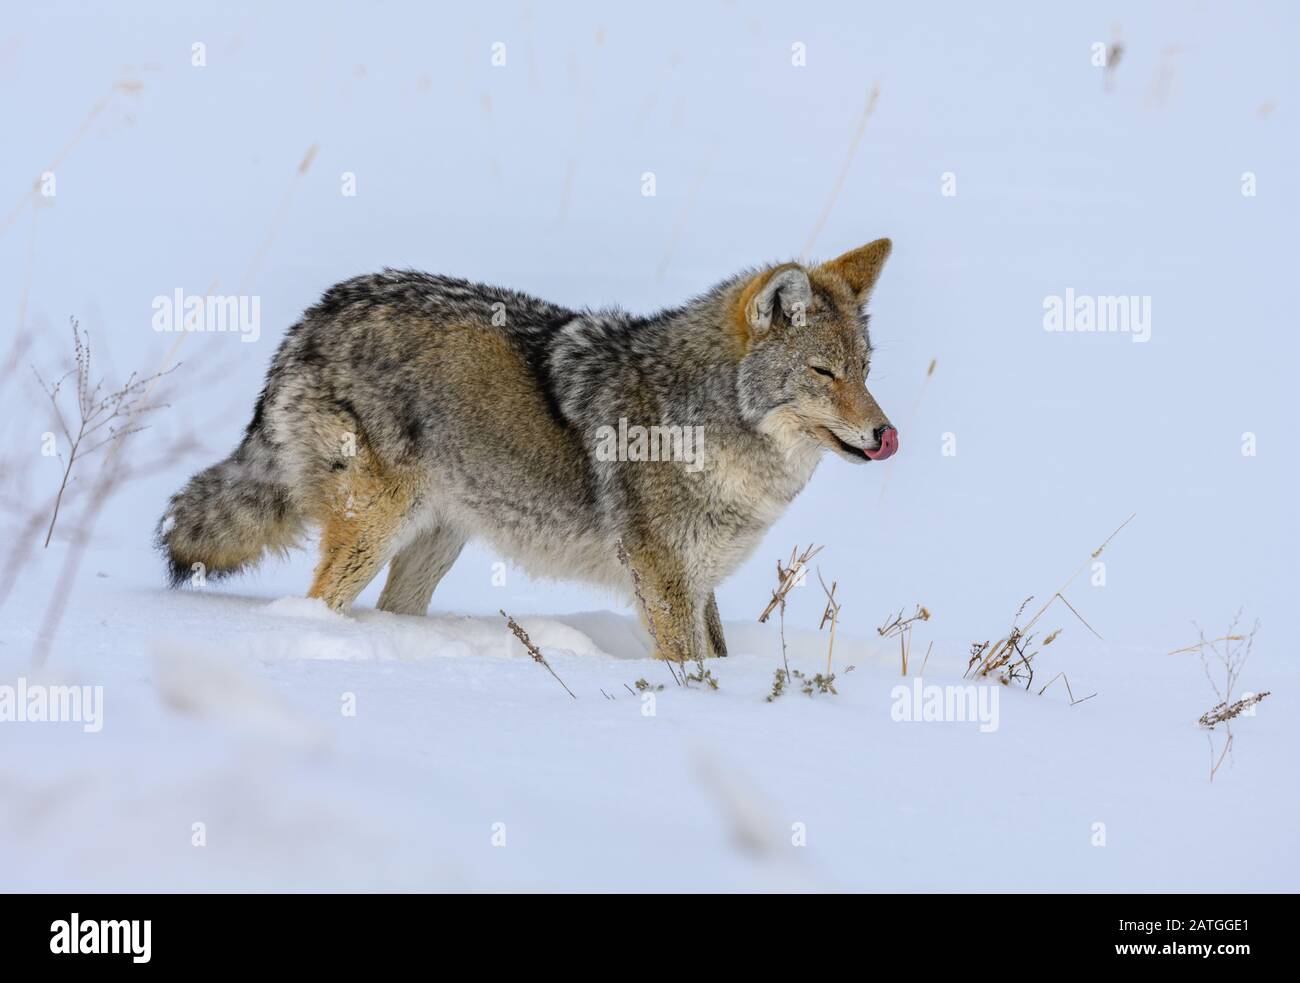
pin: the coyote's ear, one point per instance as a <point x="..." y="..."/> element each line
<point x="787" y="285"/>
<point x="860" y="268"/>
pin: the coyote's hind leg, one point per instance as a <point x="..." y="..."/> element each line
<point x="416" y="569"/>
<point x="713" y="625"/>
<point x="369" y="508"/>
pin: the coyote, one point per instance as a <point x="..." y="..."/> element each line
<point x="405" y="414"/>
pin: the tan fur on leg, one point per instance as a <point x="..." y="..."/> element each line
<point x="368" y="511"/>
<point x="670" y="611"/>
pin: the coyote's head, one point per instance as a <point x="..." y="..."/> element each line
<point x="806" y="354"/>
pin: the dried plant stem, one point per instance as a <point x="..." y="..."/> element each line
<point x="1069" y="692"/>
<point x="1011" y="656"/>
<point x="1077" y="615"/>
<point x="1201" y="645"/>
<point x="104" y="417"/>
<point x="832" y="613"/>
<point x="1060" y="592"/>
<point x="675" y="234"/>
<point x="124" y="85"/>
<point x="1214" y="765"/>
<point x="787" y="577"/>
<point x="899" y="626"/>
<point x="784" y="659"/>
<point x="533" y="650"/>
<point x="1224" y="712"/>
<point x="829" y="207"/>
<point x="58" y="499"/>
<point x="1231" y="652"/>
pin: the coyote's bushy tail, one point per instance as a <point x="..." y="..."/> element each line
<point x="228" y="516"/>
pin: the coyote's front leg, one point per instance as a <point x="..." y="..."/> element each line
<point x="671" y="610"/>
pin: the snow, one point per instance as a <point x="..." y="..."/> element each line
<point x="369" y="751"/>
<point x="230" y="711"/>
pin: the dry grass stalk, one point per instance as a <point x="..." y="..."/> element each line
<point x="1060" y="593"/>
<point x="533" y="650"/>
<point x="278" y="219"/>
<point x="924" y="662"/>
<point x="1214" y="764"/>
<point x="1224" y="712"/>
<point x="674" y="235"/>
<point x="872" y="97"/>
<point x="901" y="628"/>
<point x="103" y="416"/>
<point x="1066" y="679"/>
<point x="788" y="577"/>
<point x="111" y="420"/>
<point x="122" y="85"/>
<point x="1199" y="646"/>
<point x="1011" y="658"/>
<point x="1229" y="654"/>
<point x="831" y="614"/>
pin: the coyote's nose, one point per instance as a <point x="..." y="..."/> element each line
<point x="886" y="443"/>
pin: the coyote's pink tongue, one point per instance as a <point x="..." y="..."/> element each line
<point x="888" y="445"/>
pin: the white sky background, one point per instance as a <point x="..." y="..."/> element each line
<point x="461" y="168"/>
